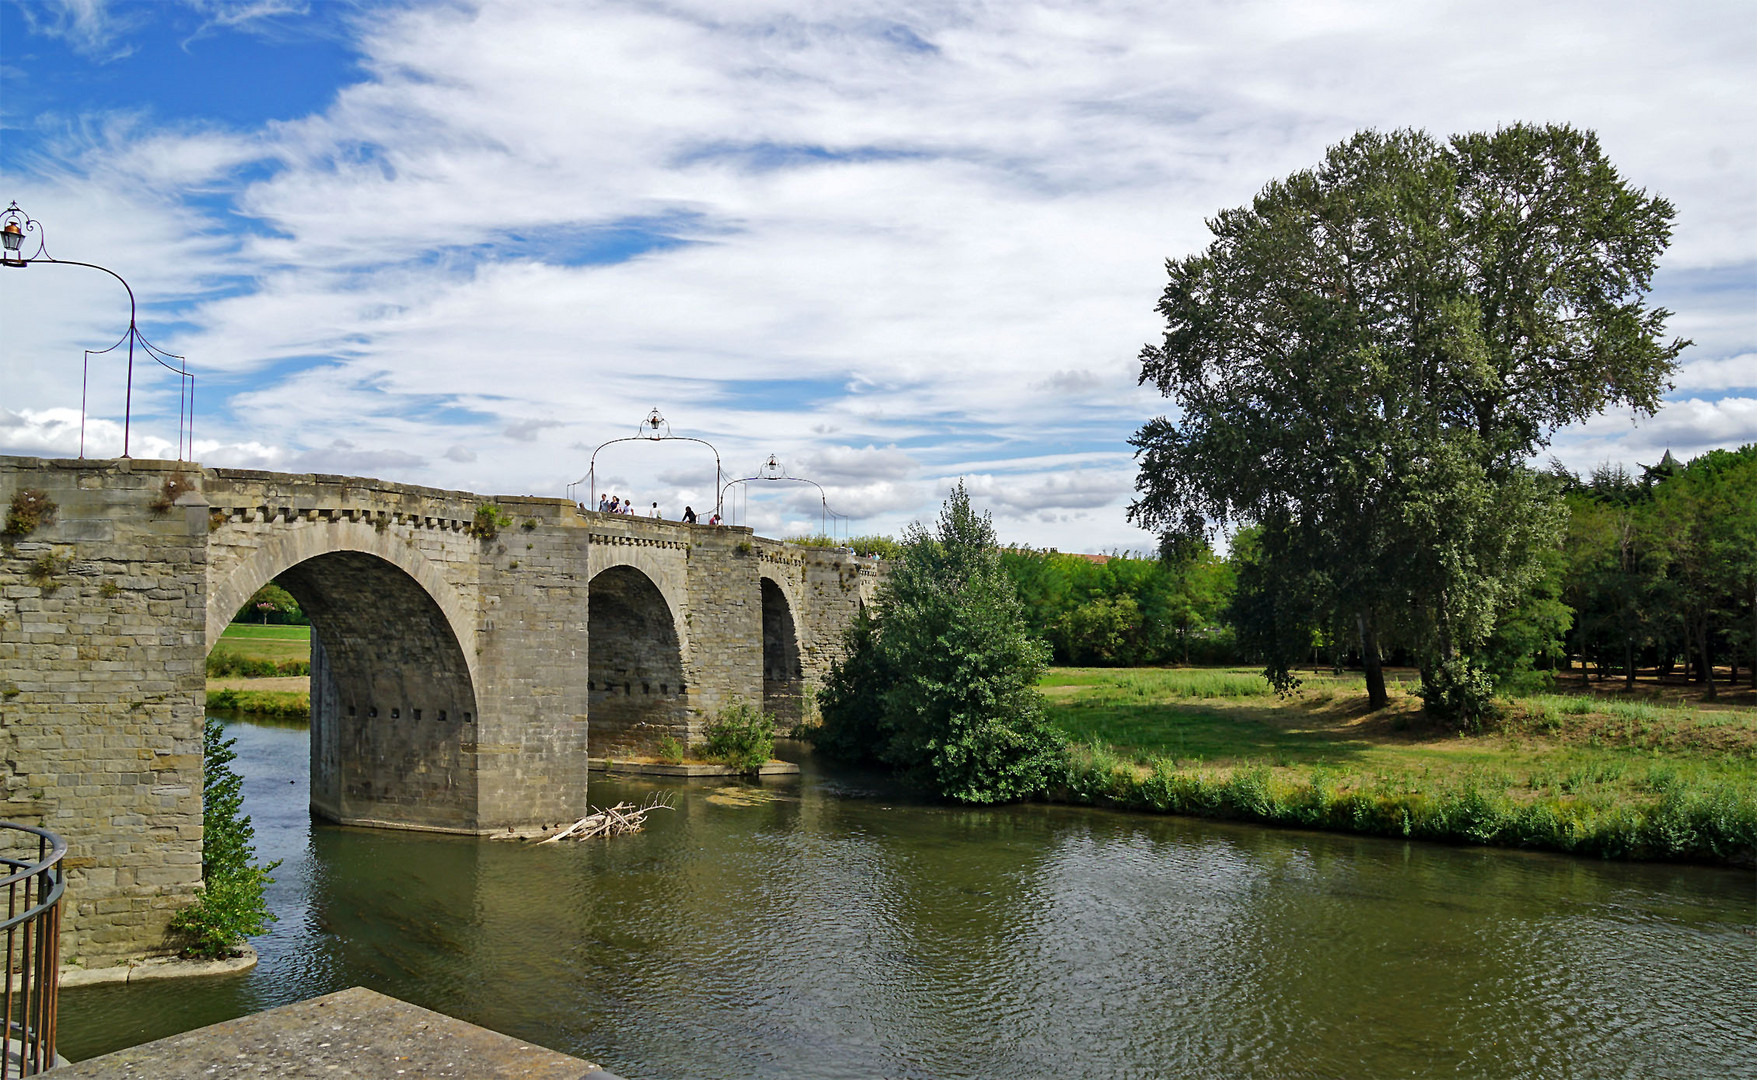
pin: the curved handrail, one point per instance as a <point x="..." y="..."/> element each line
<point x="56" y="850"/>
<point x="32" y="930"/>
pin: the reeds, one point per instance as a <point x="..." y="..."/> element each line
<point x="1672" y="814"/>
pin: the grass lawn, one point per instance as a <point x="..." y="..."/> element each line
<point x="1588" y="759"/>
<point x="273" y="643"/>
<point x="243" y="675"/>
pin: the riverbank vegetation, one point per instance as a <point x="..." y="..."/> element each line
<point x="1574" y="773"/>
<point x="740" y="735"/>
<point x="938" y="682"/>
<point x="260" y="670"/>
<point x="231" y="904"/>
<point x="278" y="704"/>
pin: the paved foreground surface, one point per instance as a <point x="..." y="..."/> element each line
<point x="354" y="1033"/>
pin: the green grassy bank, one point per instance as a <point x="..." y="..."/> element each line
<point x="248" y="653"/>
<point x="1583" y="774"/>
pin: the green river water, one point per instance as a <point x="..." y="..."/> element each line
<point x="830" y="926"/>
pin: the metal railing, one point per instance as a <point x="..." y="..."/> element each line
<point x="34" y="886"/>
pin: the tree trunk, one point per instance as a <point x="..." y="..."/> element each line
<point x="1707" y="655"/>
<point x="1628" y="663"/>
<point x="1369" y="659"/>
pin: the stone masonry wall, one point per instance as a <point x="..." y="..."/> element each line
<point x="452" y="673"/>
<point x="724" y="659"/>
<point x="531" y="646"/>
<point x="834" y="586"/>
<point x="101" y="685"/>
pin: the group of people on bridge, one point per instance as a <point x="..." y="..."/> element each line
<point x="613" y="504"/>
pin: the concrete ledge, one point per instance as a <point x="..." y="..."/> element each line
<point x="687" y="769"/>
<point x="352" y="1033"/>
<point x="158" y="967"/>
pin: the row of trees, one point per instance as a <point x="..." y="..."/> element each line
<point x="1664" y="566"/>
<point x="1122" y="609"/>
<point x="1643" y="573"/>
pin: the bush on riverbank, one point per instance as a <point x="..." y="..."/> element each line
<point x="940" y="684"/>
<point x="1693" y="819"/>
<point x="230" y="905"/>
<point x="284" y="704"/>
<point x="741" y="736"/>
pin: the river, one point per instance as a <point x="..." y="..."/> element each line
<point x="830" y="926"/>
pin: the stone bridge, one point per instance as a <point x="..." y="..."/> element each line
<point x="459" y="680"/>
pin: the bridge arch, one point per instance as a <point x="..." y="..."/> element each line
<point x="783" y="661"/>
<point x="232" y="583"/>
<point x="393" y="694"/>
<point x="636" y="691"/>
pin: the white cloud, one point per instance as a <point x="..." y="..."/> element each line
<point x="953" y="236"/>
<point x="1728" y="373"/>
<point x="1688" y="427"/>
<point x="56" y="433"/>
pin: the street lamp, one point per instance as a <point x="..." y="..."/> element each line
<point x="15" y="226"/>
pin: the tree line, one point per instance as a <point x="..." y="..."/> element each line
<point x="1660" y="571"/>
<point x="1656" y="572"/>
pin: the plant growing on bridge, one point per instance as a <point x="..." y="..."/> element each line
<point x="30" y="509"/>
<point x="488" y="522"/>
<point x="940" y="684"/>
<point x="742" y="736"/>
<point x="43" y="569"/>
<point x="174" y="488"/>
<point x="230" y="906"/>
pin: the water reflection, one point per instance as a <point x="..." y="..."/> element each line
<point x="831" y="927"/>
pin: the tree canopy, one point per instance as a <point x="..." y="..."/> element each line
<point x="940" y="683"/>
<point x="1365" y="359"/>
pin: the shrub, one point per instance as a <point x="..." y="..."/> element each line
<point x="941" y="684"/>
<point x="488" y="522"/>
<point x="1459" y="692"/>
<point x="741" y="736"/>
<point x="670" y="751"/>
<point x="29" y="510"/>
<point x="231" y="905"/>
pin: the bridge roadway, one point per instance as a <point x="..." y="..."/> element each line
<point x="457" y="679"/>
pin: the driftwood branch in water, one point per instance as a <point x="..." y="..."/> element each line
<point x="611" y="821"/>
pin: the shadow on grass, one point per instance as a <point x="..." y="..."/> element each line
<point x="1198" y="732"/>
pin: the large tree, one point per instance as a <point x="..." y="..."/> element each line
<point x="941" y="684"/>
<point x="1366" y="357"/>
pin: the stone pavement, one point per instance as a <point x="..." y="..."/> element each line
<point x="354" y="1034"/>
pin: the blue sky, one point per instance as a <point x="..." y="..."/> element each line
<point x="463" y="244"/>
